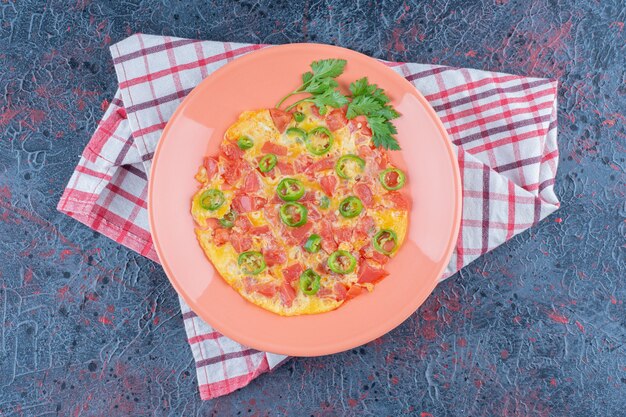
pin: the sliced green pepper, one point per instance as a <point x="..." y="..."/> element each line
<point x="299" y="116"/>
<point x="313" y="244"/>
<point x="267" y="162"/>
<point x="310" y="282"/>
<point x="385" y="241"/>
<point x="293" y="214"/>
<point x="349" y="166"/>
<point x="290" y="189"/>
<point x="251" y="262"/>
<point x="392" y="179"/>
<point x="245" y="143"/>
<point x="342" y="262"/>
<point x="319" y="140"/>
<point x="297" y="132"/>
<point x="212" y="199"/>
<point x="350" y="207"/>
<point x="229" y="218"/>
<point x="324" y="202"/>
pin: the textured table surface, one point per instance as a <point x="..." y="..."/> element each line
<point x="535" y="328"/>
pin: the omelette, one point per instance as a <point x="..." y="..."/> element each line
<point x="298" y="211"/>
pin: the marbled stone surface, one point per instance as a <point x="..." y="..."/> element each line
<point x="535" y="328"/>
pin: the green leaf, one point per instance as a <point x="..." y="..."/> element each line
<point x="362" y="105"/>
<point x="388" y="112"/>
<point x="328" y="67"/>
<point x="306" y="77"/>
<point x="320" y="86"/>
<point x="332" y="98"/>
<point x="360" y="87"/>
<point x="382" y="131"/>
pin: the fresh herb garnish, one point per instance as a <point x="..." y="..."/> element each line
<point x="367" y="100"/>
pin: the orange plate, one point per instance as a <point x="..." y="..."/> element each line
<point x="259" y="80"/>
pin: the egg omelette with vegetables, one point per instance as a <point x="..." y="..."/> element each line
<point x="301" y="209"/>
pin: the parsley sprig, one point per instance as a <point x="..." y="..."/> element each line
<point x="366" y="99"/>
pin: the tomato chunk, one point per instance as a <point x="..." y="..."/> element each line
<point x="243" y="203"/>
<point x="210" y="165"/>
<point x="369" y="273"/>
<point x="281" y="119"/>
<point x="220" y="236"/>
<point x="364" y="193"/>
<point x="328" y="183"/>
<point x="265" y="288"/>
<point x="398" y="200"/>
<point x="241" y="242"/>
<point x="230" y="151"/>
<point x="286" y="294"/>
<point x="300" y="234"/>
<point x="251" y="183"/>
<point x="285" y="168"/>
<point x="354" y="291"/>
<point x="274" y="256"/>
<point x="336" y="119"/>
<point x="243" y="223"/>
<point x="275" y="148"/>
<point x="292" y="272"/>
<point x="259" y="230"/>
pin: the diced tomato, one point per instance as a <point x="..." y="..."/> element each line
<point x="354" y="291"/>
<point x="292" y="272"/>
<point x="316" y="112"/>
<point x="298" y="235"/>
<point x="313" y="215"/>
<point x="243" y="203"/>
<point x="336" y="119"/>
<point x="340" y="291"/>
<point x="309" y="196"/>
<point x="364" y="193"/>
<point x="364" y="151"/>
<point x="285" y="168"/>
<point x="275" y="148"/>
<point x="274" y="256"/>
<point x="242" y="223"/>
<point x="369" y="273"/>
<point x="324" y="293"/>
<point x="360" y="123"/>
<point x="398" y="200"/>
<point x="379" y="257"/>
<point x="241" y="242"/>
<point x="321" y="165"/>
<point x="342" y="234"/>
<point x="286" y="294"/>
<point x="280" y="118"/>
<point x="230" y="151"/>
<point x="302" y="162"/>
<point x="267" y="289"/>
<point x="365" y="225"/>
<point x="259" y="230"/>
<point x="328" y="184"/>
<point x="251" y="183"/>
<point x="212" y="223"/>
<point x="271" y="214"/>
<point x="220" y="236"/>
<point x="210" y="165"/>
<point x="231" y="171"/>
<point x="326" y="233"/>
<point x="382" y="159"/>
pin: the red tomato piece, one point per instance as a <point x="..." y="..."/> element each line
<point x="220" y="236"/>
<point x="360" y="124"/>
<point x="281" y="119"/>
<point x="364" y="193"/>
<point x="259" y="230"/>
<point x="299" y="235"/>
<point x="242" y="223"/>
<point x="302" y="162"/>
<point x="285" y="168"/>
<point x="321" y="165"/>
<point x="286" y="294"/>
<point x="336" y="119"/>
<point x="267" y="289"/>
<point x="243" y="203"/>
<point x="274" y="256"/>
<point x="364" y="151"/>
<point x="241" y="242"/>
<point x="210" y="165"/>
<point x="398" y="200"/>
<point x="313" y="215"/>
<point x="328" y="183"/>
<point x="365" y="226"/>
<point x="292" y="272"/>
<point x="369" y="273"/>
<point x="354" y="291"/>
<point x="326" y="233"/>
<point x="230" y="151"/>
<point x="275" y="148"/>
<point x="342" y="234"/>
<point x="340" y="291"/>
<point x="251" y="183"/>
<point x="211" y="224"/>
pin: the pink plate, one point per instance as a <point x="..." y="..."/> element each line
<point x="259" y="80"/>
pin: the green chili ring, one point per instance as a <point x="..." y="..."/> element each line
<point x="290" y="189"/>
<point x="313" y="244"/>
<point x="310" y="282"/>
<point x="229" y="218"/>
<point x="267" y="162"/>
<point x="385" y="182"/>
<point x="298" y="116"/>
<point x="343" y="163"/>
<point x="316" y="148"/>
<point x="245" y="143"/>
<point x="383" y="237"/>
<point x="212" y="199"/>
<point x="293" y="214"/>
<point x="342" y="262"/>
<point x="350" y="207"/>
<point x="251" y="262"/>
<point x="296" y="131"/>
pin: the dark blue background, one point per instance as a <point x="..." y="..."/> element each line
<point x="537" y="327"/>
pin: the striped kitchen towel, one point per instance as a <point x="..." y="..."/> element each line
<point x="503" y="127"/>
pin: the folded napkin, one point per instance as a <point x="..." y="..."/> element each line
<point x="503" y="128"/>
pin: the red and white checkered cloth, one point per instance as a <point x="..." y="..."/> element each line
<point x="504" y="128"/>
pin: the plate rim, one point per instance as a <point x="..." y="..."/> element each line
<point x="268" y="347"/>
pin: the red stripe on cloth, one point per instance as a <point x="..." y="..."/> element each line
<point x="472" y="85"/>
<point x="538" y="133"/>
<point x="511" y="219"/>
<point x="459" y="243"/>
<point x="216" y="389"/>
<point x="151" y="76"/>
<point x="520" y="199"/>
<point x="495" y="225"/>
<point x="225" y="356"/>
<point x="84" y="170"/>
<point x="150" y="129"/>
<point x="104" y="215"/>
<point x="485" y="220"/>
<point x="128" y="196"/>
<point x="428" y="73"/>
<point x="205" y="336"/>
<point x="152" y="49"/>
